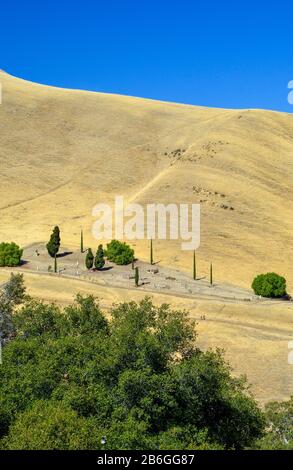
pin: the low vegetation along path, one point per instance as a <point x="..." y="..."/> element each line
<point x="153" y="278"/>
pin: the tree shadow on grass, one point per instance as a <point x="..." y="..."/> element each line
<point x="65" y="253"/>
<point x="23" y="262"/>
<point x="107" y="268"/>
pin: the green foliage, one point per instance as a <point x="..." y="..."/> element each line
<point x="269" y="285"/>
<point x="120" y="253"/>
<point x="99" y="258"/>
<point x="84" y="317"/>
<point x="13" y="294"/>
<point x="89" y="259"/>
<point x="36" y="319"/>
<point x="279" y="417"/>
<point x="136" y="276"/>
<point x="187" y="437"/>
<point x="53" y="244"/>
<point x="6" y="325"/>
<point x="51" y="425"/>
<point x="14" y="290"/>
<point x="71" y="376"/>
<point x="10" y="254"/>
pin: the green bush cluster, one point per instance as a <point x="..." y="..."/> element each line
<point x="10" y="254"/>
<point x="269" y="285"/>
<point x="97" y="261"/>
<point x="119" y="252"/>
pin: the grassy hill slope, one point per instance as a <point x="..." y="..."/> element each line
<point x="63" y="151"/>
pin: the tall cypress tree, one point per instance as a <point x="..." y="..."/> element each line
<point x="194" y="266"/>
<point x="89" y="260"/>
<point x="53" y="244"/>
<point x="136" y="276"/>
<point x="81" y="241"/>
<point x="151" y="252"/>
<point x="55" y="264"/>
<point x="99" y="259"/>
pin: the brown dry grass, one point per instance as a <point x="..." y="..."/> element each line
<point x="63" y="151"/>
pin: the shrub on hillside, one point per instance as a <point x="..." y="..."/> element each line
<point x="269" y="285"/>
<point x="119" y="253"/>
<point x="10" y="254"/>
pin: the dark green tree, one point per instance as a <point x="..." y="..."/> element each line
<point x="55" y="263"/>
<point x="81" y="241"/>
<point x="10" y="254"/>
<point x="269" y="285"/>
<point x="151" y="253"/>
<point x="194" y="266"/>
<point x="136" y="276"/>
<point x="89" y="259"/>
<point x="85" y="317"/>
<point x="53" y="244"/>
<point x="37" y="319"/>
<point x="99" y="258"/>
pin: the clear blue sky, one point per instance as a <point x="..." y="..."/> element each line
<point x="212" y="53"/>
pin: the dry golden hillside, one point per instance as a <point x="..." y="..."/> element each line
<point x="63" y="151"/>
